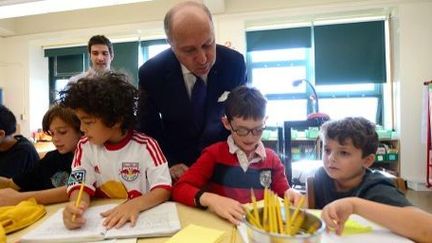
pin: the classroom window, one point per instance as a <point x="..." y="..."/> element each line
<point x="67" y="62"/>
<point x="151" y="48"/>
<point x="345" y="63"/>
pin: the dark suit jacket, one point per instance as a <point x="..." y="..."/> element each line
<point x="164" y="109"/>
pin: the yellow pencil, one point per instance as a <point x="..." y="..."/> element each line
<point x="78" y="201"/>
<point x="266" y="212"/>
<point x="250" y="217"/>
<point x="272" y="218"/>
<point x="279" y="215"/>
<point x="296" y="212"/>
<point x="287" y="214"/>
<point x="255" y="209"/>
<point x="233" y="234"/>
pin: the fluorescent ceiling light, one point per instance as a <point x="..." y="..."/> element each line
<point x="51" y="6"/>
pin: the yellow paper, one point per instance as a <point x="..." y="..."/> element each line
<point x="199" y="234"/>
<point x="352" y="227"/>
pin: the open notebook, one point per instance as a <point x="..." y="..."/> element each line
<point x="161" y="220"/>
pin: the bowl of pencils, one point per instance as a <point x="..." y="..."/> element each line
<point x="277" y="221"/>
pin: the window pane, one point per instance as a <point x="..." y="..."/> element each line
<point x="278" y="55"/>
<point x="60" y="84"/>
<point x="345" y="88"/>
<point x="153" y="50"/>
<point x="278" y="80"/>
<point x="284" y="110"/>
<point x="338" y="108"/>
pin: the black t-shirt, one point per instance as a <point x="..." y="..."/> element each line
<point x="21" y="157"/>
<point x="51" y="171"/>
<point x="374" y="187"/>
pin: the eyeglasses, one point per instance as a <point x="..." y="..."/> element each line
<point x="242" y="131"/>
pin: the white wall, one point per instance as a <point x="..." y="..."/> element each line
<point x="14" y="79"/>
<point x="24" y="70"/>
<point x="415" y="33"/>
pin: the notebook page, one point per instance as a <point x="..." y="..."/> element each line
<point x="161" y="220"/>
<point x="53" y="229"/>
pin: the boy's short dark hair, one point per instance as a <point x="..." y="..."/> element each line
<point x="7" y="121"/>
<point x="109" y="96"/>
<point x="65" y="114"/>
<point x="357" y="129"/>
<point x="100" y="40"/>
<point x="245" y="102"/>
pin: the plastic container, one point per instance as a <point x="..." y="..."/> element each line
<point x="384" y="133"/>
<point x="312" y="132"/>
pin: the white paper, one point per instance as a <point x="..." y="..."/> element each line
<point x="161" y="220"/>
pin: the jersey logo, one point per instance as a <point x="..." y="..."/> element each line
<point x="130" y="171"/>
<point x="60" y="178"/>
<point x="76" y="177"/>
<point x="265" y="178"/>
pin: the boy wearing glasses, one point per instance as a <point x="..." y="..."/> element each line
<point x="223" y="176"/>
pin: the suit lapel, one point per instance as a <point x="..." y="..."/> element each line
<point x="175" y="87"/>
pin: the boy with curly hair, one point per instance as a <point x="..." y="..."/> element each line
<point x="112" y="160"/>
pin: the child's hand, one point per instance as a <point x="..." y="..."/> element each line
<point x="9" y="197"/>
<point x="336" y="213"/>
<point x="225" y="207"/>
<point x="293" y="196"/>
<point x="71" y="221"/>
<point x="176" y="171"/>
<point x="121" y="214"/>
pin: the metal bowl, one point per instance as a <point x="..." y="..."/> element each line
<point x="256" y="235"/>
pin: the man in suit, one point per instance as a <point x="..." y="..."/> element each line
<point x="183" y="88"/>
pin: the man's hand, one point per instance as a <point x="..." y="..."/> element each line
<point x="176" y="171"/>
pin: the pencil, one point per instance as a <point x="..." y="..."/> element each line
<point x="78" y="201"/>
<point x="279" y="215"/>
<point x="266" y="212"/>
<point x="255" y="209"/>
<point x="287" y="214"/>
<point x="233" y="234"/>
<point x="296" y="212"/>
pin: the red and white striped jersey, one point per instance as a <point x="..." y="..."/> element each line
<point x="129" y="168"/>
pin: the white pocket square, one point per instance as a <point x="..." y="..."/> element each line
<point x="224" y="96"/>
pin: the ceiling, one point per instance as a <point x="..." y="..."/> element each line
<point x="20" y="8"/>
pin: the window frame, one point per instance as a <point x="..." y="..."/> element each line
<point x="377" y="92"/>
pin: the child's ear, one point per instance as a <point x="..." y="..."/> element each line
<point x="369" y="160"/>
<point x="225" y="122"/>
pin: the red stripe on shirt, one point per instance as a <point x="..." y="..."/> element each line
<point x="78" y="152"/>
<point x="158" y="151"/>
<point x="152" y="147"/>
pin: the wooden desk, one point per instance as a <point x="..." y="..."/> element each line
<point x="43" y="147"/>
<point x="190" y="215"/>
<point x="187" y="215"/>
